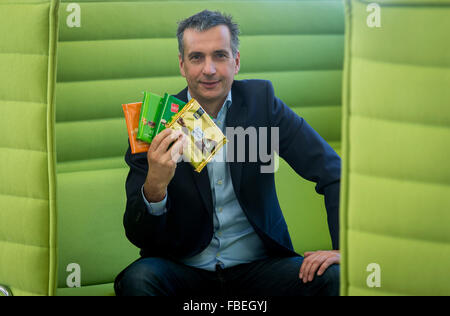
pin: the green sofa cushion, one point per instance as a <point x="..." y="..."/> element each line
<point x="90" y="290"/>
<point x="27" y="155"/>
<point x="396" y="146"/>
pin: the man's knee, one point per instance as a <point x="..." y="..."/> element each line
<point x="330" y="280"/>
<point x="143" y="277"/>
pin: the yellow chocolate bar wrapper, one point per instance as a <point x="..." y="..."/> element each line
<point x="205" y="138"/>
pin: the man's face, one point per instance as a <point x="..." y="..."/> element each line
<point x="208" y="65"/>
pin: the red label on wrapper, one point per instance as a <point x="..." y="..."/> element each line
<point x="174" y="108"/>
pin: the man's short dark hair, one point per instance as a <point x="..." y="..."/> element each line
<point x="205" y="20"/>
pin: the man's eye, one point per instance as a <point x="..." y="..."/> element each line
<point x="195" y="57"/>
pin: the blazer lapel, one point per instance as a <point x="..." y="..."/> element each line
<point x="236" y="117"/>
<point x="182" y="95"/>
<point x="201" y="179"/>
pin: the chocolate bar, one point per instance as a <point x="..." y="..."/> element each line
<point x="149" y="117"/>
<point x="132" y="114"/>
<point x="205" y="138"/>
<point x="169" y="107"/>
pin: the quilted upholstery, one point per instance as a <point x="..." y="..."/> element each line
<point x="108" y="61"/>
<point x="396" y="147"/>
<point x="27" y="155"/>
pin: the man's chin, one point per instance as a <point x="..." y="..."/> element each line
<point x="210" y="96"/>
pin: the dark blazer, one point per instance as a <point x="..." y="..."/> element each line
<point x="187" y="227"/>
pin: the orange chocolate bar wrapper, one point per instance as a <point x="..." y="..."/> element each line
<point x="132" y="112"/>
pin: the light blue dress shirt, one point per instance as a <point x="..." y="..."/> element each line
<point x="234" y="240"/>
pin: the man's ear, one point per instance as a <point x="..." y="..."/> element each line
<point x="237" y="60"/>
<point x="181" y="64"/>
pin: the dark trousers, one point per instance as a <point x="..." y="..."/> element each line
<point x="268" y="277"/>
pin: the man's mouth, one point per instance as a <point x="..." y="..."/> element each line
<point x="209" y="84"/>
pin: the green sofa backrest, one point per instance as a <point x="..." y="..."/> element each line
<point x="28" y="35"/>
<point x="395" y="198"/>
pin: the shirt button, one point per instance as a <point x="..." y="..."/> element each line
<point x="219" y="182"/>
<point x="218" y="254"/>
<point x="219" y="234"/>
<point x="220" y="210"/>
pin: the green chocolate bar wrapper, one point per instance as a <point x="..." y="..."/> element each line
<point x="149" y="117"/>
<point x="170" y="106"/>
<point x="204" y="137"/>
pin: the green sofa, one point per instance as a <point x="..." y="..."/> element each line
<point x="27" y="157"/>
<point x="62" y="187"/>
<point x="395" y="194"/>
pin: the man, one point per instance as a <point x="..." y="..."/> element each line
<point x="222" y="231"/>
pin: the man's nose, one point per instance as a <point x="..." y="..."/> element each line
<point x="209" y="67"/>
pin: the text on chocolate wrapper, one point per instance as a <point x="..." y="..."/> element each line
<point x="260" y="306"/>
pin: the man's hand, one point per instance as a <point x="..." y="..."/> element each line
<point x="317" y="260"/>
<point x="162" y="163"/>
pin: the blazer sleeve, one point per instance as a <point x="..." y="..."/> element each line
<point x="142" y="228"/>
<point x="309" y="155"/>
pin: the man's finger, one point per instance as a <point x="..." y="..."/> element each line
<point x="306" y="266"/>
<point x="326" y="264"/>
<point x="176" y="150"/>
<point x="307" y="255"/>
<point x="314" y="266"/>
<point x="303" y="267"/>
<point x="159" y="138"/>
<point x="165" y="143"/>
